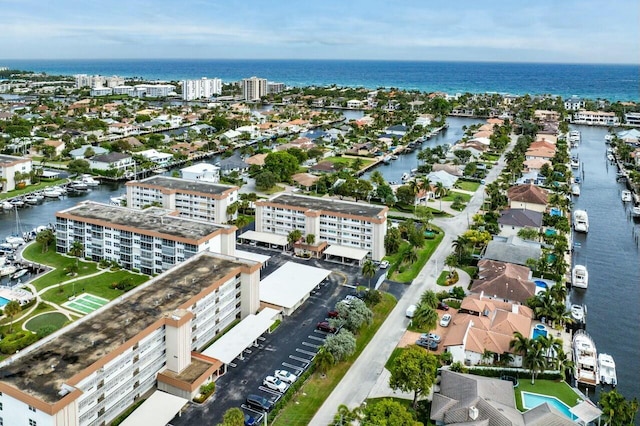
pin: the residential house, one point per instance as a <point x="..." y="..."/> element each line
<point x="528" y="196"/>
<point x="504" y="281"/>
<point x="596" y="118"/>
<point x="112" y="161"/>
<point x="535" y="165"/>
<point x="9" y="166"/>
<point x="447" y="180"/>
<point x="162" y="159"/>
<point x="512" y="249"/>
<point x="511" y="221"/>
<point x="323" y="167"/>
<point x="233" y="164"/>
<point x="79" y="153"/>
<point x="424" y="120"/>
<point x="397" y="130"/>
<point x="630" y="118"/>
<point x="257" y="159"/>
<point x="574" y="103"/>
<point x="305" y="180"/>
<point x="201" y="171"/>
<point x="124" y="129"/>
<point x="58" y="146"/>
<point x="354" y="104"/>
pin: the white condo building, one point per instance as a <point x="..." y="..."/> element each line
<point x="91" y="371"/>
<point x="339" y="223"/>
<point x="198" y="200"/>
<point x="204" y="88"/>
<point x="254" y="88"/>
<point x="9" y="166"/>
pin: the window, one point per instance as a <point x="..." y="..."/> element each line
<point x="0" y="406"/>
<point x="32" y="422"/>
<point x="32" y="408"/>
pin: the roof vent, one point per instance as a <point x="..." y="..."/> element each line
<point x="473" y="413"/>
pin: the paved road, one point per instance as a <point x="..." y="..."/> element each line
<point x="356" y="385"/>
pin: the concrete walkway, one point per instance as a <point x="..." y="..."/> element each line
<point x="361" y="379"/>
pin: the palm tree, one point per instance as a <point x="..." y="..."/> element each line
<point x="535" y="359"/>
<point x="558" y="292"/>
<point x="369" y="270"/>
<point x="12" y="309"/>
<point x="425" y="317"/>
<point x="76" y="249"/>
<point x="294" y="236"/>
<point x="563" y="364"/>
<point x="311" y="239"/>
<point x="440" y="192"/>
<point x="520" y="344"/>
<point x="459" y="246"/>
<point x="46" y="238"/>
<point x="409" y="255"/>
<point x="430" y="299"/>
<point x="488" y="356"/>
<point x="324" y="360"/>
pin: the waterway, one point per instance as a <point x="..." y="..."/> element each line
<point x="610" y="252"/>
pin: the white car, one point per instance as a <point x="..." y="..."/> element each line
<point x="445" y="320"/>
<point x="275" y="384"/>
<point x="286" y="376"/>
<point x="384" y="264"/>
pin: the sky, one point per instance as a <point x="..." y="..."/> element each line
<point x="564" y="31"/>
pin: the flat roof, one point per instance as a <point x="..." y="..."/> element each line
<point x="157" y="410"/>
<point x="348" y="252"/>
<point x="265" y="237"/>
<point x="184" y="185"/>
<point x="10" y="159"/>
<point x="290" y="283"/>
<point x="252" y="256"/>
<point x="329" y="205"/>
<point x="89" y="339"/>
<point x="240" y="337"/>
<point x="153" y="219"/>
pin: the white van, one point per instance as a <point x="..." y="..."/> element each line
<point x="410" y="311"/>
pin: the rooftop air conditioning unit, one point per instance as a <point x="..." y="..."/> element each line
<point x="473" y="413"/>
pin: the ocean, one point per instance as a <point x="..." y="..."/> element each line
<point x="592" y="81"/>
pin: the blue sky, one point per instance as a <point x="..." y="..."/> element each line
<point x="570" y="31"/>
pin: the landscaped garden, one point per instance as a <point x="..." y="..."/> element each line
<point x="409" y="254"/>
<point x="55" y="319"/>
<point x="31" y="188"/>
<point x="467" y="185"/>
<point x="558" y="388"/>
<point x="63" y="265"/>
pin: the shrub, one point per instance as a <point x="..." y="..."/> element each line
<point x="45" y="331"/>
<point x="17" y="341"/>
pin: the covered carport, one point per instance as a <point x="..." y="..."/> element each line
<point x="265" y="238"/>
<point x="290" y="285"/>
<point x="233" y="344"/>
<point x="343" y="252"/>
<point x="253" y="256"/>
<point x="157" y="410"/>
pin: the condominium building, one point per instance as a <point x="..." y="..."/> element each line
<point x="198" y="200"/>
<point x="596" y="118"/>
<point x="9" y="166"/>
<point x="153" y="90"/>
<point x="353" y="225"/>
<point x="201" y="89"/>
<point x="91" y="371"/>
<point x="93" y="81"/>
<point x="275" y="87"/>
<point x="254" y="88"/>
<point x="151" y="240"/>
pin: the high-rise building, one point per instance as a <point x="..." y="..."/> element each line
<point x="201" y="89"/>
<point x="254" y="88"/>
<point x="274" y="87"/>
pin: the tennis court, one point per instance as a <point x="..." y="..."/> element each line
<point x="86" y="303"/>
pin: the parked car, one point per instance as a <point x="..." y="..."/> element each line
<point x="411" y="310"/>
<point x="286" y="376"/>
<point x="445" y="320"/>
<point x="384" y="264"/>
<point x="443" y="306"/>
<point x="332" y="314"/>
<point x="275" y="384"/>
<point x="326" y="327"/>
<point x="428" y="344"/>
<point x="431" y="336"/>
<point x="259" y="402"/>
<point x="249" y="420"/>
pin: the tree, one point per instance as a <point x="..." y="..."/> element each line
<point x="405" y="195"/>
<point x="392" y="240"/>
<point x="463" y="155"/>
<point x="78" y="167"/>
<point x="353" y="315"/>
<point x="345" y="417"/>
<point x="76" y="249"/>
<point x="46" y="237"/>
<point x="311" y="239"/>
<point x="388" y="412"/>
<point x="281" y="164"/>
<point x="425" y="215"/>
<point x="440" y="192"/>
<point x="232" y="417"/>
<point x="12" y="309"/>
<point x="265" y="180"/>
<point x="430" y="299"/>
<point x="527" y="233"/>
<point x="616" y="410"/>
<point x="294" y="236"/>
<point x="414" y="370"/>
<point x="324" y="360"/>
<point x="341" y="345"/>
<point x="369" y="270"/>
<point x="409" y="255"/>
<point x="425" y="317"/>
<point x="377" y="178"/>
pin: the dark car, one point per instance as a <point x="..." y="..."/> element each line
<point x="443" y="306"/>
<point x="326" y="327"/>
<point x="332" y="314"/>
<point x="428" y="344"/>
<point x="259" y="402"/>
<point x="249" y="421"/>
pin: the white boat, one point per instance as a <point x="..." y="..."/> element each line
<point x="118" y="201"/>
<point x="16" y="202"/>
<point x="14" y="241"/>
<point x="607" y="367"/>
<point x="574" y="136"/>
<point x="611" y="158"/>
<point x="78" y="185"/>
<point x="578" y="313"/>
<point x="7" y="270"/>
<point x="89" y="180"/>
<point x="405" y="176"/>
<point x="19" y="274"/>
<point x="585" y="359"/>
<point x="575" y="163"/>
<point x="635" y="212"/>
<point x="31" y="199"/>
<point x="608" y="137"/>
<point x="7" y="205"/>
<point x="625" y="195"/>
<point x="393" y="157"/>
<point x="580" y="221"/>
<point x="575" y="190"/>
<point x="51" y="193"/>
<point x="580" y="276"/>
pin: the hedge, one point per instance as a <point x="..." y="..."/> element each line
<point x="520" y="373"/>
<point x="16" y="341"/>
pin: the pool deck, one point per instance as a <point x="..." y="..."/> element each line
<point x="560" y="334"/>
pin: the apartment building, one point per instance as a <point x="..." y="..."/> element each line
<point x="9" y="166"/>
<point x="274" y="87"/>
<point x="151" y="240"/>
<point x="254" y="88"/>
<point x="198" y="200"/>
<point x="342" y="223"/>
<point x="89" y="372"/>
<point x="201" y="89"/>
<point x="596" y="118"/>
<point x="84" y="80"/>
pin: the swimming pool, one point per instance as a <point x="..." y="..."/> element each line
<point x="532" y="400"/>
<point x="3" y="301"/>
<point x="539" y="330"/>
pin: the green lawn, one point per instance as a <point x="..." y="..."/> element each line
<point x="273" y="190"/>
<point x="304" y="404"/>
<point x="467" y="185"/>
<point x="559" y="389"/>
<point x="33" y="253"/>
<point x="443" y="278"/>
<point x="453" y="194"/>
<point x="347" y="162"/>
<point x="99" y="286"/>
<point x="32" y="188"/>
<point x="406" y="273"/>
<point x="55" y="319"/>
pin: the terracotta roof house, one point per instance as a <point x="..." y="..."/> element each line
<point x="535" y="165"/>
<point x="544" y="153"/>
<point x="483" y="134"/>
<point x="527" y="196"/>
<point x="542" y="144"/>
<point x="513" y="220"/>
<point x="497" y="121"/>
<point x="504" y="281"/>
<point x="305" y="180"/>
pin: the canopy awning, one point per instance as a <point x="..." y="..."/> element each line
<point x="158" y="410"/>
<point x="252" y="256"/>
<point x="586" y="411"/>
<point x="347" y="252"/>
<point x="265" y="237"/>
<point x="290" y="284"/>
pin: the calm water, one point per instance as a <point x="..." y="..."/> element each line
<point x="613" y="82"/>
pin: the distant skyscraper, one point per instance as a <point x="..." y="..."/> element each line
<point x="201" y="89"/>
<point x="254" y="88"/>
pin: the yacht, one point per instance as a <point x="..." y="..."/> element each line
<point x="19" y="274"/>
<point x="89" y="180"/>
<point x="585" y="358"/>
<point x="7" y="205"/>
<point x="611" y="158"/>
<point x="607" y="367"/>
<point x="635" y="212"/>
<point x="575" y="163"/>
<point x="575" y="190"/>
<point x="7" y="270"/>
<point x="393" y="157"/>
<point x="578" y="313"/>
<point x="17" y="202"/>
<point x="79" y="185"/>
<point x="581" y="221"/>
<point x="118" y="201"/>
<point x="31" y="199"/>
<point x="405" y="177"/>
<point x="607" y="138"/>
<point x="626" y="195"/>
<point x="574" y="136"/>
<point x="51" y="193"/>
<point x="580" y="276"/>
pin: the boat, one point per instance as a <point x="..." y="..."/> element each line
<point x="607" y="367"/>
<point x="574" y="136"/>
<point x="393" y="157"/>
<point x="405" y="176"/>
<point x="575" y="190"/>
<point x="578" y="313"/>
<point x="17" y="202"/>
<point x="89" y="180"/>
<point x="19" y="274"/>
<point x="635" y="212"/>
<point x="118" y="201"/>
<point x="607" y="138"/>
<point x="7" y="205"/>
<point x="7" y="270"/>
<point x="51" y="193"/>
<point x="78" y="185"/>
<point x="386" y="160"/>
<point x="625" y="195"/>
<point x="31" y="199"/>
<point x="580" y="276"/>
<point x="585" y="359"/>
<point x="575" y="163"/>
<point x="611" y="158"/>
<point x="581" y="221"/>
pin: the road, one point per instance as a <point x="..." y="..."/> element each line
<point x="356" y="385"/>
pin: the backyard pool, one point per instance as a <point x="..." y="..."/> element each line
<point x="532" y="400"/>
<point x="3" y="301"/>
<point x="539" y="330"/>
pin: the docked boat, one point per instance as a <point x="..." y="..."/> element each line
<point x="7" y="270"/>
<point x="578" y="313"/>
<point x="78" y="185"/>
<point x="19" y="274"/>
<point x="574" y="136"/>
<point x="405" y="177"/>
<point x="585" y="358"/>
<point x="635" y="212"/>
<point x="51" y="193"/>
<point x="607" y="367"/>
<point x="31" y="199"/>
<point x="7" y="205"/>
<point x="118" y="201"/>
<point x="393" y="157"/>
<point x="611" y="158"/>
<point x="14" y="241"/>
<point x="580" y="276"/>
<point x="607" y="138"/>
<point x="625" y="195"/>
<point x="89" y="180"/>
<point x="386" y="160"/>
<point x="581" y="221"/>
<point x="17" y="202"/>
<point x="575" y="190"/>
<point x="575" y="163"/>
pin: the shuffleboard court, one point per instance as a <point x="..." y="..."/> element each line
<point x="85" y="303"/>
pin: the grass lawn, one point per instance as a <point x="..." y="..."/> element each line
<point x="559" y="389"/>
<point x="99" y="285"/>
<point x="32" y="188"/>
<point x="491" y="157"/>
<point x="347" y="162"/>
<point x="33" y="253"/>
<point x="273" y="190"/>
<point x="453" y="194"/>
<point x="303" y="405"/>
<point x="55" y="319"/>
<point x="443" y="278"/>
<point x="406" y="273"/>
<point x="471" y="270"/>
<point x="467" y="185"/>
